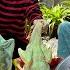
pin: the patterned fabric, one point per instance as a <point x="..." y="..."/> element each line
<point x="64" y="39"/>
<point x="6" y="53"/>
<point x="13" y="14"/>
<point x="36" y="56"/>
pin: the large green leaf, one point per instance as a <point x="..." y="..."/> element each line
<point x="6" y="53"/>
<point x="36" y="52"/>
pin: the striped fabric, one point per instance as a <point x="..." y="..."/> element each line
<point x="13" y="14"/>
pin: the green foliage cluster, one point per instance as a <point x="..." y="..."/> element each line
<point x="55" y="14"/>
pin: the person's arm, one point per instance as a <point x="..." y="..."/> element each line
<point x="33" y="11"/>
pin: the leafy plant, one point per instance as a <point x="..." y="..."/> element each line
<point x="55" y="14"/>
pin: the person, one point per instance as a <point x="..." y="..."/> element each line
<point x="64" y="38"/>
<point x="12" y="20"/>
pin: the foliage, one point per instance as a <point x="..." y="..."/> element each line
<point x="6" y="53"/>
<point x="55" y="14"/>
<point x="37" y="55"/>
